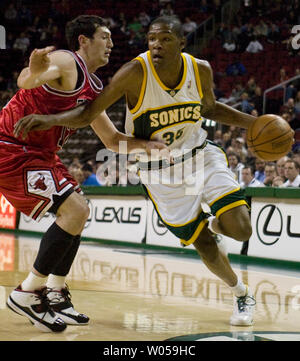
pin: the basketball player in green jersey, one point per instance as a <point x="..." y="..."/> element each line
<point x="168" y="92"/>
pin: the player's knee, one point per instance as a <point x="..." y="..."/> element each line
<point x="82" y="212"/>
<point x="206" y="248"/>
<point x="242" y="230"/>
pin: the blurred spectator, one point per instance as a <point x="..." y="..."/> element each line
<point x="254" y="46"/>
<point x="218" y="137"/>
<point x="167" y="10"/>
<point x="277" y="181"/>
<point x="261" y="29"/>
<point x="248" y="179"/>
<point x="296" y="156"/>
<point x="251" y="86"/>
<point x="297" y="102"/>
<point x="246" y="107"/>
<point x="22" y="42"/>
<point x="236" y="68"/>
<point x="238" y="145"/>
<point x="270" y="173"/>
<point x="273" y="34"/>
<point x="235" y="165"/>
<point x="144" y="19"/>
<point x="260" y="170"/>
<point x="10" y="14"/>
<point x="282" y="75"/>
<point x="257" y="99"/>
<point x="24" y="16"/>
<point x="76" y="173"/>
<point x="229" y="45"/>
<point x="188" y="26"/>
<point x="237" y="92"/>
<point x="90" y="178"/>
<point x="280" y="166"/>
<point x="291" y="171"/>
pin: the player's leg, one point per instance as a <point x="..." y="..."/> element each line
<point x="59" y="295"/>
<point x="227" y="203"/>
<point x="240" y="229"/>
<point x="59" y="244"/>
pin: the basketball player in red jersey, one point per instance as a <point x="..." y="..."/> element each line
<point x="34" y="180"/>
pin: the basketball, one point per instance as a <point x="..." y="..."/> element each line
<point x="270" y="137"/>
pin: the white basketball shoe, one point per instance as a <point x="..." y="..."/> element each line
<point x="35" y="306"/>
<point x="60" y="302"/>
<point x="243" y="310"/>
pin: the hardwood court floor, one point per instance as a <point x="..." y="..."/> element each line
<point x="134" y="294"/>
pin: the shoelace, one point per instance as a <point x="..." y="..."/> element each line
<point x="45" y="307"/>
<point x="243" y="302"/>
<point x="62" y="296"/>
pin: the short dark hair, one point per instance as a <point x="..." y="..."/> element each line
<point x="251" y="167"/>
<point x="82" y="25"/>
<point x="296" y="164"/>
<point x="173" y="21"/>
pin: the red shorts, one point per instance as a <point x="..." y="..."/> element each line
<point x="33" y="181"/>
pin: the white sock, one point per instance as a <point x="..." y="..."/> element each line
<point x="240" y="289"/>
<point x="33" y="282"/>
<point x="56" y="282"/>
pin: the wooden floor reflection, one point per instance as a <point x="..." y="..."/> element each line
<point x="130" y="294"/>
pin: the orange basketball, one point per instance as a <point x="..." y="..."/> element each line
<point x="270" y="137"/>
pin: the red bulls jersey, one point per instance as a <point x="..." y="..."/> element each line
<point x="47" y="100"/>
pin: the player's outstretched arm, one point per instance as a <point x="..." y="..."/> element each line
<point x="43" y="67"/>
<point x="217" y="111"/>
<point x="83" y="115"/>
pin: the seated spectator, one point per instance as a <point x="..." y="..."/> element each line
<point x="291" y="171"/>
<point x="77" y="174"/>
<point x="254" y="46"/>
<point x="260" y="170"/>
<point x="218" y="137"/>
<point x="10" y="14"/>
<point x="273" y="34"/>
<point x="229" y="46"/>
<point x="270" y="173"/>
<point x="167" y="10"/>
<point x="277" y="181"/>
<point x="261" y="29"/>
<point x="248" y="179"/>
<point x="246" y="107"/>
<point x="235" y="165"/>
<point x="257" y="99"/>
<point x="144" y="19"/>
<point x="237" y="92"/>
<point x="296" y="156"/>
<point x="236" y="68"/>
<point x="280" y="167"/>
<point x="188" y="26"/>
<point x="251" y="86"/>
<point x="238" y="145"/>
<point x="22" y="42"/>
<point x="297" y="102"/>
<point x="90" y="178"/>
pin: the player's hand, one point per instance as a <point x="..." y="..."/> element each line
<point x="39" y="60"/>
<point x="32" y="123"/>
<point x="155" y="147"/>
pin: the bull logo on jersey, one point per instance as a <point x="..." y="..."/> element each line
<point x="39" y="183"/>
